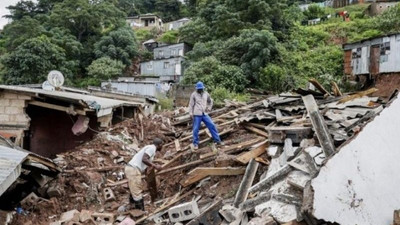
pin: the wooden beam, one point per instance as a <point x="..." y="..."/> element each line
<point x="166" y="206"/>
<point x="177" y="145"/>
<point x="319" y="125"/>
<point x="257" y="131"/>
<point x="335" y="89"/>
<point x="194" y="163"/>
<point x="203" y="172"/>
<point x="253" y="153"/>
<point x="69" y="110"/>
<point x="233" y="148"/>
<point x="247" y="181"/>
<point x="152" y="184"/>
<point x="357" y="95"/>
<point x="319" y="86"/>
<point x="267" y="182"/>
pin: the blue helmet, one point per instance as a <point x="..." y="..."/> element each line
<point x="200" y="85"/>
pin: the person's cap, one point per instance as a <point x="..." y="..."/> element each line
<point x="199" y="85"/>
<point x="157" y="141"/>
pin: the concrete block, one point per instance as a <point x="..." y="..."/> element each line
<point x="21" y="118"/>
<point x="230" y="213"/>
<point x="103" y="218"/>
<point x="10" y="95"/>
<point x="100" y="162"/>
<point x="183" y="212"/>
<point x="85" y="215"/>
<point x="108" y="195"/>
<point x="4" y="117"/>
<point x="12" y="110"/>
<point x="72" y="215"/>
<point x="4" y="102"/>
<point x="127" y="221"/>
<point x="274" y="151"/>
<point x="17" y="103"/>
<point x="30" y="200"/>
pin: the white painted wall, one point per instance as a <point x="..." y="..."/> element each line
<point x="393" y="63"/>
<point x="361" y="184"/>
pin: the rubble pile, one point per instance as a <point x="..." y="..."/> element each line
<point x="273" y="148"/>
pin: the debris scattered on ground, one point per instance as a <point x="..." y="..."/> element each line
<point x="274" y="147"/>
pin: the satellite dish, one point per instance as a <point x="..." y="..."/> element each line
<point x="47" y="86"/>
<point x="55" y="78"/>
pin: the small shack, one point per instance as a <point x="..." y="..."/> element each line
<point x="49" y="122"/>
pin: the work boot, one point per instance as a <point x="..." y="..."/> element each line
<point x="221" y="143"/>
<point x="139" y="204"/>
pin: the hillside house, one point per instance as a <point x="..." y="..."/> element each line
<point x="373" y="56"/>
<point x="167" y="63"/>
<point x="175" y="25"/>
<point x="147" y="21"/>
<point x="150" y="45"/>
<point x="170" y="51"/>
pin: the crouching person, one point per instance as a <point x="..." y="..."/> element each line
<point x="136" y="167"/>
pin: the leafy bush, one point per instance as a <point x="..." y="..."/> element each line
<point x="169" y="37"/>
<point x="274" y="78"/>
<point x="166" y="103"/>
<point x="103" y="69"/>
<point x="214" y="74"/>
<point x="143" y="35"/>
<point x="314" y="12"/>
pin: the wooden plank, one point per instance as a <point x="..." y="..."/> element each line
<point x="233" y="148"/>
<point x="357" y="95"/>
<point x="256" y="125"/>
<point x="247" y="181"/>
<point x="152" y="184"/>
<point x="335" y="89"/>
<point x="69" y="110"/>
<point x="166" y="206"/>
<point x="319" y="125"/>
<point x="255" y="152"/>
<point x="257" y="131"/>
<point x="203" y="172"/>
<point x="194" y="163"/>
<point x="177" y="145"/>
<point x="319" y="86"/>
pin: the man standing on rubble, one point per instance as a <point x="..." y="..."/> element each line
<point x="134" y="169"/>
<point x="199" y="105"/>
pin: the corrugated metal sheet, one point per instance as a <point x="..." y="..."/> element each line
<point x="91" y="101"/>
<point x="141" y="88"/>
<point x="10" y="166"/>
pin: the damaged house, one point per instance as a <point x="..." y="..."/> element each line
<point x="49" y="122"/>
<point x="21" y="173"/>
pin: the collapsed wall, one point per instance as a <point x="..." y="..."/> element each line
<point x="360" y="184"/>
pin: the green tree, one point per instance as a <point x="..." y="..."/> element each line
<point x="251" y="50"/>
<point x="33" y="59"/>
<point x="169" y="10"/>
<point x="85" y="19"/>
<point x="103" y="69"/>
<point x="213" y="73"/>
<point x="119" y="45"/>
<point x="389" y="21"/>
<point x="19" y="31"/>
<point x="21" y="10"/>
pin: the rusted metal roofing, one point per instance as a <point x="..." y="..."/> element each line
<point x="103" y="106"/>
<point x="10" y="166"/>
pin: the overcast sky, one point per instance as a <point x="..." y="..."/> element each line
<point x="4" y="11"/>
